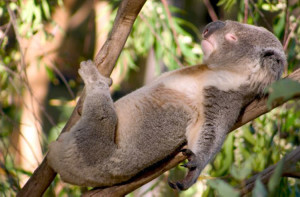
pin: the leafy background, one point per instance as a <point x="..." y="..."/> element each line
<point x="163" y="38"/>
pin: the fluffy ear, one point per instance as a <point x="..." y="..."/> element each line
<point x="273" y="60"/>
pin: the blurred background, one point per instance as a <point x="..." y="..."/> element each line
<point x="42" y="43"/>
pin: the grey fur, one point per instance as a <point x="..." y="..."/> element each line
<point x="113" y="142"/>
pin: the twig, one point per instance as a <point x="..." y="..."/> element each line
<point x="293" y="28"/>
<point x="62" y="77"/>
<point x="287" y="22"/>
<point x="14" y="24"/>
<point x="210" y="10"/>
<point x="43" y="110"/>
<point x="165" y="4"/>
<point x="294" y="174"/>
<point x="288" y="37"/>
<point x="246" y="11"/>
<point x="32" y="149"/>
<point x="261" y="14"/>
<point x="23" y="68"/>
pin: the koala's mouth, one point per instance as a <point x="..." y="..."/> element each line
<point x="207" y="47"/>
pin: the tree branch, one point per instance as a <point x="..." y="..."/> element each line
<point x="252" y="111"/>
<point x="289" y="170"/>
<point x="210" y="10"/>
<point x="105" y="61"/>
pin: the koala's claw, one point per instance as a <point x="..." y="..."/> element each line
<point x="192" y="159"/>
<point x="188" y="181"/>
<point x="187" y="152"/>
<point x="190" y="165"/>
<point x="177" y="185"/>
<point x="192" y="174"/>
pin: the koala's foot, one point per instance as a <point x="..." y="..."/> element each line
<point x="192" y="175"/>
<point x="90" y="74"/>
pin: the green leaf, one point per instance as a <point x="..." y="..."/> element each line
<point x="227" y="4"/>
<point x="275" y="178"/>
<point x="279" y="26"/>
<point x="243" y="172"/>
<point x="283" y="89"/>
<point x="228" y="155"/>
<point x="259" y="189"/>
<point x="223" y="188"/>
<point x="50" y="73"/>
<point x="37" y="17"/>
<point x="27" y="12"/>
<point x="269" y="7"/>
<point x="13" y="6"/>
<point x="46" y="9"/>
<point x="249" y="136"/>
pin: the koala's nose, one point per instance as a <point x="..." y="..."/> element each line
<point x="211" y="28"/>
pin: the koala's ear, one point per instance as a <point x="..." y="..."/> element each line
<point x="273" y="60"/>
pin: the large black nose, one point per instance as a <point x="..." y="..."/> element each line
<point x="212" y="27"/>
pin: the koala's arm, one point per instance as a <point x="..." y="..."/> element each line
<point x="221" y="110"/>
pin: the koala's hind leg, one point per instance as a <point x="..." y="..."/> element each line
<point x="78" y="155"/>
<point x="91" y="77"/>
<point x="98" y="108"/>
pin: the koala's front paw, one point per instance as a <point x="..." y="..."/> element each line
<point x="90" y="74"/>
<point x="193" y="173"/>
<point x="192" y="159"/>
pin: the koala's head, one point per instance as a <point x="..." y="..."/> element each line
<point x="242" y="47"/>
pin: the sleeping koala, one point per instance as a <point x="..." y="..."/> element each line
<point x="112" y="142"/>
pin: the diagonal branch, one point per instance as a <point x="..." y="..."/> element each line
<point x="289" y="169"/>
<point x="105" y="61"/>
<point x="252" y="111"/>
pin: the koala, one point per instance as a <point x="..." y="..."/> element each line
<point x="114" y="141"/>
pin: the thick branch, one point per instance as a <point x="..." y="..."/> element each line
<point x="122" y="190"/>
<point x="252" y="111"/>
<point x="109" y="53"/>
<point x="105" y="61"/>
<point x="259" y="107"/>
<point x="289" y="169"/>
